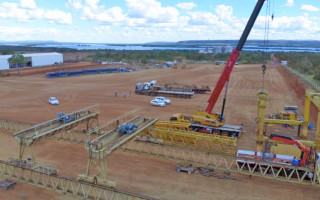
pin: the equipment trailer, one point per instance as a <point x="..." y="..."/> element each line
<point x="152" y="89"/>
<point x="197" y="90"/>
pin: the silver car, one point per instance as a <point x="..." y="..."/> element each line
<point x="163" y="99"/>
<point x="157" y="103"/>
<point x="53" y="101"/>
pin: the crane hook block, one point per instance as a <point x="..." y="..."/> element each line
<point x="264" y="67"/>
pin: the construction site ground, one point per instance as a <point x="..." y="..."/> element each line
<point x="25" y="98"/>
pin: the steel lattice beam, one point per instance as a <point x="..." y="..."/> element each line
<point x="53" y="127"/>
<point x="101" y="147"/>
<point x="198" y="141"/>
<point x="14" y="126"/>
<point x="66" y="185"/>
<point x="269" y="170"/>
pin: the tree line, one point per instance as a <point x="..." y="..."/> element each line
<point x="168" y="55"/>
<point x="305" y="62"/>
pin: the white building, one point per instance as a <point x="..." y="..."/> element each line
<point x="34" y="59"/>
<point x="206" y="51"/>
<point x="284" y="62"/>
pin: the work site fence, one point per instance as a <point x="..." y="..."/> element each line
<point x="309" y="80"/>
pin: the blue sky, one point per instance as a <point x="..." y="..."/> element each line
<point x="138" y="21"/>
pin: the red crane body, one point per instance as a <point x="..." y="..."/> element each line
<point x="225" y="76"/>
<point x="290" y="140"/>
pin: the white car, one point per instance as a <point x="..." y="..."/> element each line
<point x="53" y="101"/>
<point x="163" y="99"/>
<point x="157" y="103"/>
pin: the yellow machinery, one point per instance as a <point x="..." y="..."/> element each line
<point x="198" y="117"/>
<point x="200" y="122"/>
<point x="179" y="59"/>
<point x="288" y="115"/>
<point x="262" y="121"/>
<point x="208" y="119"/>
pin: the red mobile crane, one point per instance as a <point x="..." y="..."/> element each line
<point x="276" y="158"/>
<point x="216" y="119"/>
<point x="207" y="122"/>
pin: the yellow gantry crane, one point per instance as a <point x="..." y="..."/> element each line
<point x="179" y="59"/>
<point x="310" y="96"/>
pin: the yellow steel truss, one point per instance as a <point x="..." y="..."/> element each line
<point x="289" y="173"/>
<point x="66" y="185"/>
<point x="188" y="139"/>
<point x="29" y="136"/>
<point x="99" y="149"/>
<point x="111" y="125"/>
<point x="14" y="126"/>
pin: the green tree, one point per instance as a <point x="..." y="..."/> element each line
<point x="16" y="61"/>
<point x="317" y="76"/>
<point x="7" y="52"/>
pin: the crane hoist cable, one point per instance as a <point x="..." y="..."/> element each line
<point x="266" y="38"/>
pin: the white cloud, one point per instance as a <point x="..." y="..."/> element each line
<point x="27" y="13"/>
<point x="149" y="20"/>
<point x="28" y="4"/>
<point x="18" y="33"/>
<point x="57" y="16"/>
<point x="76" y="4"/>
<point x="203" y="18"/>
<point x="300" y="27"/>
<point x="102" y="29"/>
<point x="309" y="8"/>
<point x="93" y="4"/>
<point x="152" y="11"/>
<point x="290" y="3"/>
<point x="111" y="16"/>
<point x="186" y="6"/>
<point x="224" y="12"/>
<point x="140" y="13"/>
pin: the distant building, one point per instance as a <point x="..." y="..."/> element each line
<point x="206" y="51"/>
<point x="227" y="49"/>
<point x="33" y="60"/>
<point x="284" y="63"/>
<point x="217" y="49"/>
<point x="169" y="64"/>
<point x="112" y="63"/>
<point x="222" y="49"/>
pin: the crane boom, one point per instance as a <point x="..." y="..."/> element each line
<point x="292" y="141"/>
<point x="225" y="76"/>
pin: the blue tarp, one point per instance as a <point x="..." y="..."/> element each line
<point x="311" y="126"/>
<point x="83" y="72"/>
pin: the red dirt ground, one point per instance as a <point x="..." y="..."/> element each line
<point x="25" y="98"/>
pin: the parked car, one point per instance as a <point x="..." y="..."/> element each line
<point x="53" y="101"/>
<point x="157" y="103"/>
<point x="163" y="99"/>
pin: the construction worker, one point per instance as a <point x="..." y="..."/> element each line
<point x="129" y="93"/>
<point x="115" y="93"/>
<point x="124" y="95"/>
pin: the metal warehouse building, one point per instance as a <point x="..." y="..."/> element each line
<point x="34" y="59"/>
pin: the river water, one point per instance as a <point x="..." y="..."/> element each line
<point x="134" y="47"/>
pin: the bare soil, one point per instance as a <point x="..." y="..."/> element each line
<point x="25" y="98"/>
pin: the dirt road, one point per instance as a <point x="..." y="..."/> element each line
<point x="25" y="99"/>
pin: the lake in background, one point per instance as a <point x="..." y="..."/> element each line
<point x="128" y="47"/>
